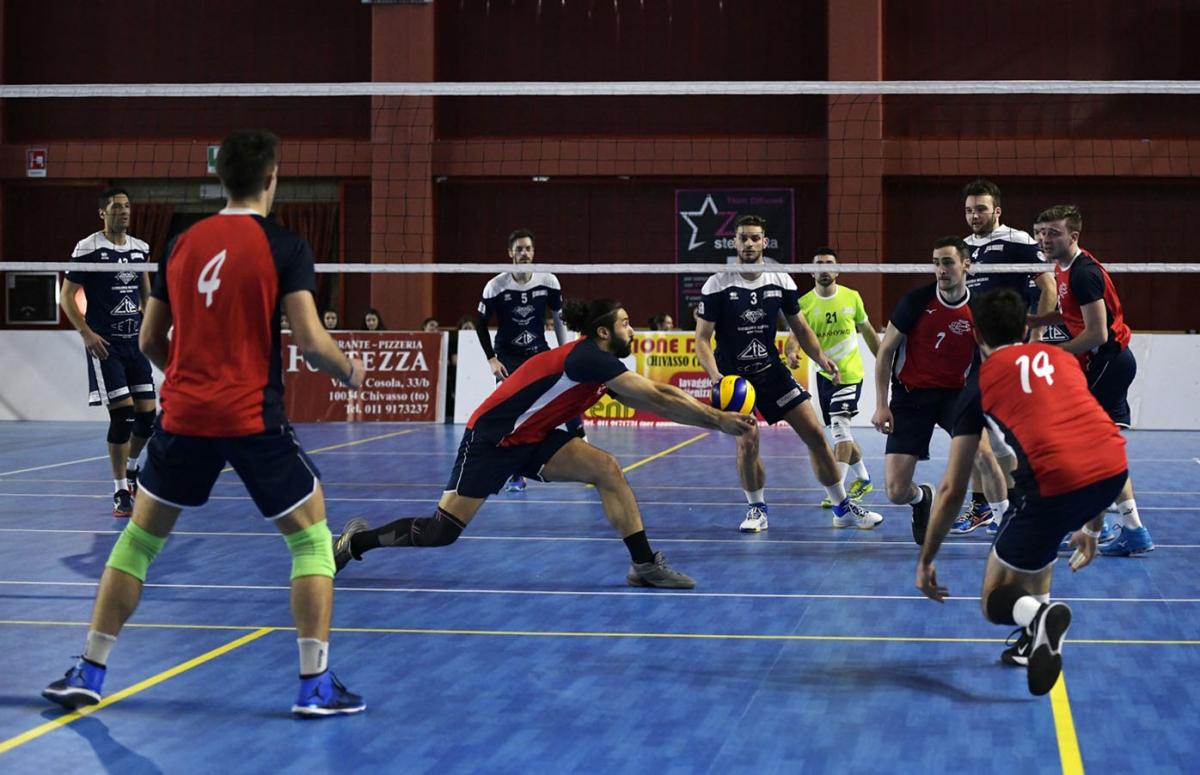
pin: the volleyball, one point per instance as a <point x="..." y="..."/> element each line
<point x="733" y="394"/>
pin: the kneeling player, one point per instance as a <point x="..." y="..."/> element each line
<point x="515" y="432"/>
<point x="1071" y="465"/>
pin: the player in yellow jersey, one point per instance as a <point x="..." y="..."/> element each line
<point x="836" y="315"/>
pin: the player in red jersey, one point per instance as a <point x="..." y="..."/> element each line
<point x="1071" y="463"/>
<point x="926" y="352"/>
<point x="516" y="431"/>
<point x="223" y="288"/>
<point x="1091" y="310"/>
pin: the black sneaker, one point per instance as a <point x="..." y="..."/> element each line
<point x="122" y="504"/>
<point x="132" y="474"/>
<point x="1017" y="654"/>
<point x="1045" y="660"/>
<point x="920" y="514"/>
<point x="342" y="553"/>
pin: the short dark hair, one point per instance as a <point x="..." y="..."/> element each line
<point x="1068" y="213"/>
<point x="517" y="234"/>
<point x="964" y="251"/>
<point x="245" y="159"/>
<point x="982" y="187"/>
<point x="107" y="194"/>
<point x="585" y="317"/>
<point x="751" y="220"/>
<point x="1000" y="317"/>
<point x="825" y="251"/>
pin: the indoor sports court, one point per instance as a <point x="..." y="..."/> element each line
<point x="394" y="225"/>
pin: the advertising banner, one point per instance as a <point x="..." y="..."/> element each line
<point x="704" y="230"/>
<point x="670" y="357"/>
<point x="405" y="382"/>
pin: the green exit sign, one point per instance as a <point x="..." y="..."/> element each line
<point x="212" y="159"/>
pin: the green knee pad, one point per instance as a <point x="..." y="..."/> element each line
<point x="134" y="551"/>
<point x="312" y="551"/>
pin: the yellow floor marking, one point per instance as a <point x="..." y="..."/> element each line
<point x="664" y="453"/>
<point x="1064" y="728"/>
<point x="67" y="718"/>
<point x="344" y="444"/>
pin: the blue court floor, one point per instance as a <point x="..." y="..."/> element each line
<point x="521" y="649"/>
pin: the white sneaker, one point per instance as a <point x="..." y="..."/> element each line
<point x="855" y="516"/>
<point x="756" y="519"/>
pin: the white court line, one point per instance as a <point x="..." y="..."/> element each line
<point x="748" y="541"/>
<point x="591" y="593"/>
<point x="526" y="502"/>
<point x="54" y="465"/>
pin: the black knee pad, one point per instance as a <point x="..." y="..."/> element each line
<point x="143" y="424"/>
<point x="120" y="424"/>
<point x="1001" y="601"/>
<point x="442" y="529"/>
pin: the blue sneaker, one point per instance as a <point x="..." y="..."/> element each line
<point x="974" y="516"/>
<point x="516" y="484"/>
<point x="325" y="695"/>
<point x="80" y="686"/>
<point x="1131" y="541"/>
<point x="1109" y="532"/>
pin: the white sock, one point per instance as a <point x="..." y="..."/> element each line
<point x="836" y="492"/>
<point x="860" y="471"/>
<point x="98" y="647"/>
<point x="755" y="496"/>
<point x="1043" y="598"/>
<point x="998" y="509"/>
<point x="314" y="656"/>
<point x="1026" y="609"/>
<point x="120" y="484"/>
<point x="1129" y="514"/>
<point x="917" y="498"/>
<point x="842" y="469"/>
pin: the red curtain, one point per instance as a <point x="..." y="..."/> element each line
<point x="151" y="221"/>
<point x="317" y="222"/>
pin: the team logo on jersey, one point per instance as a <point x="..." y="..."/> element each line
<point x="508" y="297"/>
<point x="125" y="307"/>
<point x="733" y="296"/>
<point x="752" y="316"/>
<point x="772" y="294"/>
<point x="961" y="326"/>
<point x="137" y="257"/>
<point x="126" y="277"/>
<point x="525" y="339"/>
<point x="524" y="311"/>
<point x="754" y="352"/>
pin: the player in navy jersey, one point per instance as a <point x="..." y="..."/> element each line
<point x="924" y="358"/>
<point x="1092" y="312"/>
<point x="515" y="431"/>
<point x="1071" y="463"/>
<point x="741" y="310"/>
<point x="222" y="290"/>
<point x="993" y="243"/>
<point x="521" y="303"/>
<point x="119" y="376"/>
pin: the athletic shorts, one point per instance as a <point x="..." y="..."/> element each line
<point x="513" y="361"/>
<point x="1000" y="445"/>
<point x="914" y="414"/>
<point x="124" y="373"/>
<point x="1029" y="539"/>
<point x="180" y="470"/>
<point x="775" y="391"/>
<point x="482" y="467"/>
<point x="837" y="399"/>
<point x="1109" y="378"/>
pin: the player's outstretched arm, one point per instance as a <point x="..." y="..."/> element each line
<point x="945" y="508"/>
<point x="315" y="342"/>
<point x="152" y="339"/>
<point x="636" y="391"/>
<point x="892" y="339"/>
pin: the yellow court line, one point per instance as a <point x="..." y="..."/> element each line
<point x="67" y="718"/>
<point x="1064" y="729"/>
<point x="664" y="453"/>
<point x="601" y="634"/>
<point x="344" y="444"/>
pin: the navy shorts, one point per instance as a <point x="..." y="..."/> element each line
<point x="482" y="467"/>
<point x="914" y="413"/>
<point x="775" y="391"/>
<point x="837" y="399"/>
<point x="180" y="470"/>
<point x="1029" y="539"/>
<point x="124" y="373"/>
<point x="1109" y="378"/>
